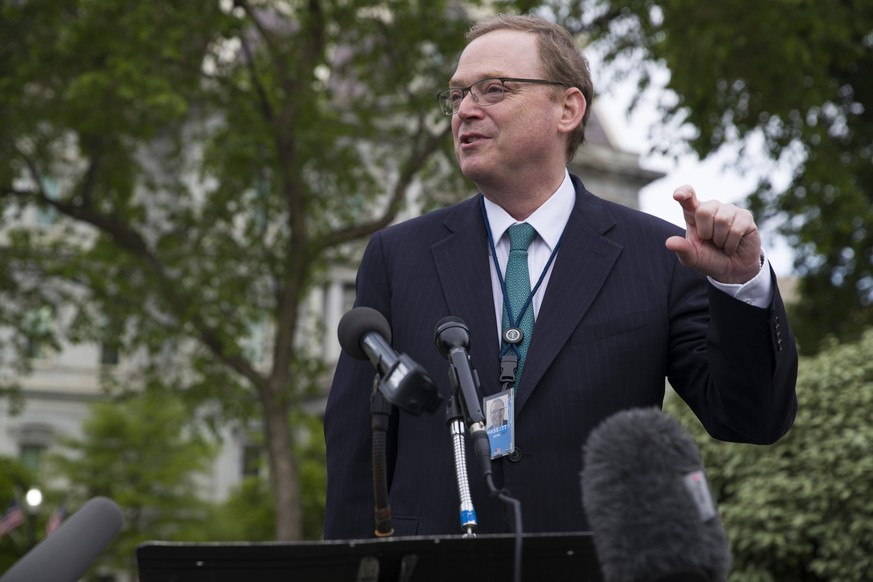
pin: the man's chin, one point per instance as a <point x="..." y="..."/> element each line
<point x="475" y="170"/>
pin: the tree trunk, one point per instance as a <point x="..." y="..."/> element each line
<point x="283" y="470"/>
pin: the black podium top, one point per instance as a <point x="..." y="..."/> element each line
<point x="406" y="559"/>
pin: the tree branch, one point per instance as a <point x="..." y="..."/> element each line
<point x="133" y="242"/>
<point x="409" y="170"/>
<point x="263" y="32"/>
<point x="261" y="92"/>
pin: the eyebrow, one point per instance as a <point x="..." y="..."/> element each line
<point x="455" y="83"/>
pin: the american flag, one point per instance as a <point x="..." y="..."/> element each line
<point x="55" y="520"/>
<point x="11" y="519"/>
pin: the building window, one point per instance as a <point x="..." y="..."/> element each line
<point x="339" y="298"/>
<point x="30" y="455"/>
<point x="251" y="460"/>
<point x="108" y="354"/>
<point x="33" y="439"/>
<point x="37" y="324"/>
<point x="110" y="346"/>
<point x="348" y="300"/>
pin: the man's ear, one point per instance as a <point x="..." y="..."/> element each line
<point x="573" y="110"/>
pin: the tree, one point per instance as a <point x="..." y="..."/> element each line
<point x="142" y="453"/>
<point x="199" y="165"/>
<point x="796" y="73"/>
<point x="802" y="509"/>
<point x="248" y="513"/>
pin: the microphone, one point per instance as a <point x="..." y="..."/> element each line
<point x="452" y="338"/>
<point x="648" y="502"/>
<point x="364" y="334"/>
<point x="67" y="554"/>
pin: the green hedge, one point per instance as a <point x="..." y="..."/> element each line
<point x="802" y="509"/>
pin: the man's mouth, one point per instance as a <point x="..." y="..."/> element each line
<point x="470" y="138"/>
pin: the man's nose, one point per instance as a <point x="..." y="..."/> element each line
<point x="467" y="106"/>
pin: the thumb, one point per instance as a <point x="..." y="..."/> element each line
<point x="684" y="250"/>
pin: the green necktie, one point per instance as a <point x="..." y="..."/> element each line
<point x="517" y="281"/>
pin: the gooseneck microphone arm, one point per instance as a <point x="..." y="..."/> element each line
<point x="455" y="420"/>
<point x="380" y="412"/>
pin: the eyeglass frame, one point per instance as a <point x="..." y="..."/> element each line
<point x="469" y="90"/>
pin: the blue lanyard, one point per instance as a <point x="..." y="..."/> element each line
<point x="513" y="321"/>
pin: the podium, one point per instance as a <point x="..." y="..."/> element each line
<point x="559" y="556"/>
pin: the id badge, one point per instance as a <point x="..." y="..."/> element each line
<point x="500" y="423"/>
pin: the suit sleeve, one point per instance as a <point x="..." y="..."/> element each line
<point x="349" y="504"/>
<point x="741" y="381"/>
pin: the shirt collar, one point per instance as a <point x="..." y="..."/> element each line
<point x="549" y="219"/>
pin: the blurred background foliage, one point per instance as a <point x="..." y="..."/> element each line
<point x="802" y="509"/>
<point x="794" y="74"/>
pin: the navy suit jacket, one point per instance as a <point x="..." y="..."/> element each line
<point x="619" y="315"/>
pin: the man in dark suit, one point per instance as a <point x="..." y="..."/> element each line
<point x="623" y="301"/>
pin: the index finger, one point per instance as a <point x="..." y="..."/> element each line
<point x="687" y="199"/>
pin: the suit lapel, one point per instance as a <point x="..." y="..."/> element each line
<point x="581" y="267"/>
<point x="462" y="265"/>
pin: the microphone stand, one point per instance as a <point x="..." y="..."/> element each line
<point x="467" y="394"/>
<point x="380" y="411"/>
<point x="455" y="421"/>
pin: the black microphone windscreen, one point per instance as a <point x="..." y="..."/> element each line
<point x="355" y="324"/>
<point x="68" y="553"/>
<point x="645" y="493"/>
<point x="451" y="332"/>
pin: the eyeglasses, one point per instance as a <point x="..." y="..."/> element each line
<point x="485" y="93"/>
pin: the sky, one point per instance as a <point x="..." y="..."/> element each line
<point x="712" y="178"/>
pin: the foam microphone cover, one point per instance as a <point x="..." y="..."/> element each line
<point x="358" y="322"/>
<point x="68" y="553"/>
<point x="651" y="512"/>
